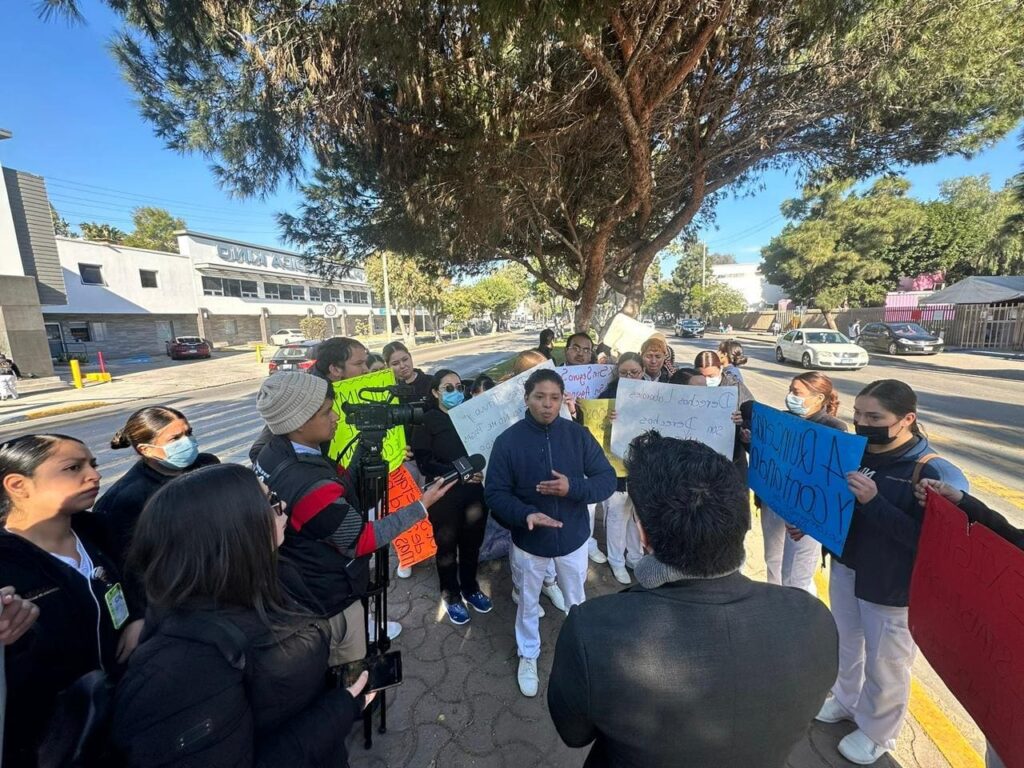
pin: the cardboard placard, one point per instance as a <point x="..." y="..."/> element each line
<point x="416" y="544"/>
<point x="586" y="381"/>
<point x="596" y="419"/>
<point x="625" y="334"/>
<point x="703" y="414"/>
<point x="798" y="468"/>
<point x="967" y="616"/>
<point x="347" y="391"/>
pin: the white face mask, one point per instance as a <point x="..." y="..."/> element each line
<point x="713" y="381"/>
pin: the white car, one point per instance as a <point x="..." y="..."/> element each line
<point x="814" y="348"/>
<point x="287" y="336"/>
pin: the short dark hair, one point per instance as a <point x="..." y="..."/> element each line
<point x="683" y="376"/>
<point x="544" y="374"/>
<point x="335" y="351"/>
<point x="547" y="336"/>
<point x="691" y="502"/>
<point x="578" y="335"/>
<point x="482" y="383"/>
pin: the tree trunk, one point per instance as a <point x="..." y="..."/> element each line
<point x="411" y="339"/>
<point x="829" y="316"/>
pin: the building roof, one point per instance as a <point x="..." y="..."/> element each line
<point x="980" y="289"/>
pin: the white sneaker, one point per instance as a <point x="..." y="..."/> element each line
<point x="594" y="553"/>
<point x="621" y="574"/>
<point x="404" y="573"/>
<point x="833" y="712"/>
<point x="394" y="630"/>
<point x="857" y="747"/>
<point x="528" y="677"/>
<point x="554" y="594"/>
<point x="515" y="599"/>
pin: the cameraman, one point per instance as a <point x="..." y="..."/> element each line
<point x="328" y="538"/>
<point x="460" y="519"/>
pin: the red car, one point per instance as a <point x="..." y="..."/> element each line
<point x="300" y="356"/>
<point x="186" y="347"/>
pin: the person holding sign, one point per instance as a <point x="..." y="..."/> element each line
<point x="869" y="583"/>
<point x="52" y="550"/>
<point x="543" y="472"/>
<point x="791" y="562"/>
<point x="460" y="518"/>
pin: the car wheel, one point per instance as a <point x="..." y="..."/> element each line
<point x="806" y="360"/>
<point x="892" y="349"/>
<point x="779" y="356"/>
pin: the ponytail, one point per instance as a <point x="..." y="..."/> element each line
<point x="821" y="384"/>
<point x="897" y="398"/>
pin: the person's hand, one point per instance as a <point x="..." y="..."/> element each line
<point x="570" y="403"/>
<point x="945" y="490"/>
<point x="357" y="688"/>
<point x="557" y="487"/>
<point x="17" y="617"/>
<point x="737" y="418"/>
<point x="535" y="519"/>
<point x="409" y="455"/>
<point x="745" y="436"/>
<point x="613" y="415"/>
<point x="129" y="640"/>
<point x="794" y="533"/>
<point x="476" y="479"/>
<point x="436" y="490"/>
<point x="861" y="486"/>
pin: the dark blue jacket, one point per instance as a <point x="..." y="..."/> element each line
<point x="882" y="542"/>
<point x="524" y="455"/>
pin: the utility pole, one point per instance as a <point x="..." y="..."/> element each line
<point x="387" y="296"/>
<point x="703" y="268"/>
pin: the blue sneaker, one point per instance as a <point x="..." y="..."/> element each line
<point x="457" y="613"/>
<point x="481" y="603"/>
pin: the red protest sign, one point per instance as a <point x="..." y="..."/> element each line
<point x="967" y="616"/>
<point x="416" y="544"/>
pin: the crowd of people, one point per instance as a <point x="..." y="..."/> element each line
<point x="206" y="602"/>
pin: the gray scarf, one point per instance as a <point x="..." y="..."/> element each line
<point x="652" y="573"/>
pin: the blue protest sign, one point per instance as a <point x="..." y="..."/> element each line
<point x="798" y="468"/>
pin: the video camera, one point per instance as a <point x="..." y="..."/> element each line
<point x="382" y="415"/>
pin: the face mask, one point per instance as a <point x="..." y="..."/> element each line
<point x="796" y="405"/>
<point x="452" y="399"/>
<point x="181" y="453"/>
<point x="876" y="435"/>
<point x="713" y="381"/>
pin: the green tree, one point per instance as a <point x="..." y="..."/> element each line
<point x="499" y="294"/>
<point x="313" y="327"/>
<point x="60" y="226"/>
<point x="662" y="299"/>
<point x="408" y="284"/>
<point x="716" y="300"/>
<point x="575" y="139"/>
<point x="154" y="229"/>
<point x="833" y="253"/>
<point x="92" y="230"/>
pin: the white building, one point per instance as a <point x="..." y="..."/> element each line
<point x="748" y="280"/>
<point x="129" y="301"/>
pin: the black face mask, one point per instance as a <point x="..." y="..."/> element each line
<point x="876" y="435"/>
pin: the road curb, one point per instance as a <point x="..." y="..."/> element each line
<point x="57" y="410"/>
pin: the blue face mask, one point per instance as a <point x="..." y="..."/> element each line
<point x="796" y="405"/>
<point x="452" y="399"/>
<point x="181" y="453"/>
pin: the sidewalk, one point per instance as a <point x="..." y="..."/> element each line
<point x="460" y="704"/>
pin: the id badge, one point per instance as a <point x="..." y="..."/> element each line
<point x="116" y="606"/>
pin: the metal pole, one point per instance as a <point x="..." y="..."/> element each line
<point x="387" y="297"/>
<point x="704" y="268"/>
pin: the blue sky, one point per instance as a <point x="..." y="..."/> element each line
<point x="75" y="123"/>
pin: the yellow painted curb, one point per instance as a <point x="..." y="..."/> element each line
<point x="62" y="409"/>
<point x="940" y="729"/>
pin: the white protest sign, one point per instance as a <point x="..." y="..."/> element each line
<point x="626" y="334"/>
<point x="586" y="381"/>
<point x="703" y="414"/>
<point x="483" y="417"/>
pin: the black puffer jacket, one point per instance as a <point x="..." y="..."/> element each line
<point x="215" y="687"/>
<point x="73" y="635"/>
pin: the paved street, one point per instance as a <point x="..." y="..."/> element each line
<point x="460" y="705"/>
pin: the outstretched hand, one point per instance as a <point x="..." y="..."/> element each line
<point x="436" y="490"/>
<point x="557" y="487"/>
<point x="535" y="519"/>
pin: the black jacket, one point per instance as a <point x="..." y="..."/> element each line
<point x="978" y="512"/>
<point x="199" y="693"/>
<point x="123" y="501"/>
<point x="436" y="445"/>
<point x="73" y="635"/>
<point x="704" y="673"/>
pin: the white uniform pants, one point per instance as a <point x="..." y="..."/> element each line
<point x="572" y="575"/>
<point x="623" y="536"/>
<point x="789" y="563"/>
<point x="876" y="652"/>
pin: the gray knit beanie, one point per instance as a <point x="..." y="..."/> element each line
<point x="289" y="399"/>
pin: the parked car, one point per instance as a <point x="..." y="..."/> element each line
<point x="294" y="357"/>
<point x="648" y="322"/>
<point x="287" y="336"/>
<point x="900" y="339"/>
<point x="187" y="347"/>
<point x="820" y="349"/>
<point x="690" y="329"/>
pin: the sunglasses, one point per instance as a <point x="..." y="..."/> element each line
<point x="276" y="504"/>
<point x="449" y="388"/>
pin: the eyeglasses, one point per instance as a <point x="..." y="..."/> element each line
<point x="449" y="388"/>
<point x="276" y="504"/>
<point x="632" y="374"/>
<point x="578" y="348"/>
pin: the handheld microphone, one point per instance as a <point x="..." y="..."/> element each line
<point x="463" y="469"/>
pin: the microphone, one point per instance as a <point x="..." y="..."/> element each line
<point x="463" y="469"/>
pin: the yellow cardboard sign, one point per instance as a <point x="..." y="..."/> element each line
<point x="347" y="391"/>
<point x="596" y="419"/>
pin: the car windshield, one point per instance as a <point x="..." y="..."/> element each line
<point x="827" y="337"/>
<point x="189" y="340"/>
<point x="908" y="329"/>
<point x="292" y="353"/>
